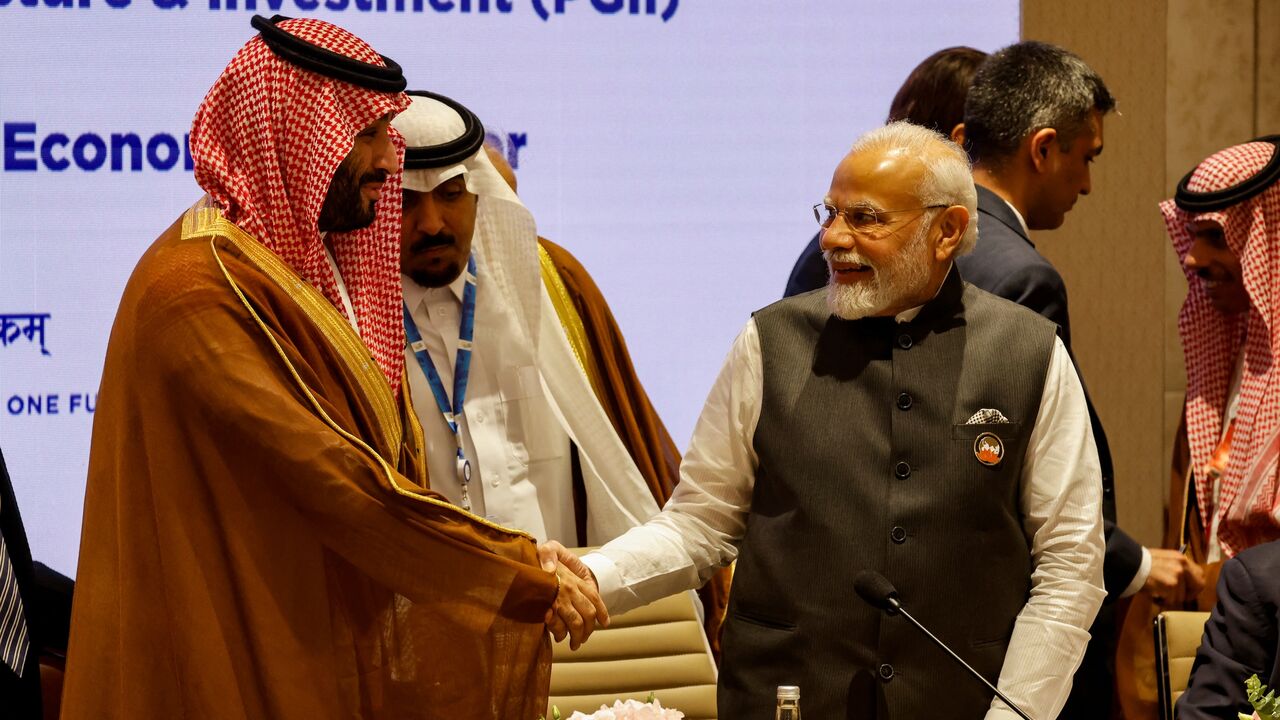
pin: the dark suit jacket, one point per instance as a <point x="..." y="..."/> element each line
<point x="810" y="271"/>
<point x="1240" y="638"/>
<point x="21" y="696"/>
<point x="1005" y="262"/>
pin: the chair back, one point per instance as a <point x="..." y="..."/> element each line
<point x="659" y="648"/>
<point x="1178" y="635"/>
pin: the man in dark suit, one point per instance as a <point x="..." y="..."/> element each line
<point x="1033" y="125"/>
<point x="1240" y="638"/>
<point x="41" y="608"/>
<point x="20" y="691"/>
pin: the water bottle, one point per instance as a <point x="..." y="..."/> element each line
<point x="788" y="703"/>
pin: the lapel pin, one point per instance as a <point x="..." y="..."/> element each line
<point x="988" y="448"/>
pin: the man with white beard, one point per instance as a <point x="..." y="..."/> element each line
<point x="906" y="423"/>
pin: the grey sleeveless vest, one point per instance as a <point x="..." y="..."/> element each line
<point x="866" y="462"/>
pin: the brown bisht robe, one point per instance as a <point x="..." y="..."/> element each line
<point x="258" y="542"/>
<point x="609" y="368"/>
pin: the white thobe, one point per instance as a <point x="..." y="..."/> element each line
<point x="514" y="440"/>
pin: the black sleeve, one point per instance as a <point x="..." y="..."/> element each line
<point x="810" y="271"/>
<point x="1235" y="646"/>
<point x="51" y="614"/>
<point x="21" y="695"/>
<point x="15" y="537"/>
<point x="1123" y="558"/>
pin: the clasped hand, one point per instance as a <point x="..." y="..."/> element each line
<point x="578" y="607"/>
<point x="1174" y="579"/>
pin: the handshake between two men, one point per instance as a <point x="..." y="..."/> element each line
<point x="578" y="607"/>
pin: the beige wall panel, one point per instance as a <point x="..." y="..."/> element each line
<point x="1268" y="75"/>
<point x="1112" y="249"/>
<point x="1211" y="79"/>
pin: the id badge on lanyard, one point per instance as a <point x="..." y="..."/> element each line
<point x="451" y="409"/>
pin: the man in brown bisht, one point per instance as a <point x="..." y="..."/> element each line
<point x="258" y="540"/>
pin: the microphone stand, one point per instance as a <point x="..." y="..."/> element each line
<point x="896" y="607"/>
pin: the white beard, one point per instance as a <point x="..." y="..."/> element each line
<point x="906" y="275"/>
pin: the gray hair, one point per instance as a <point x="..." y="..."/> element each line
<point x="1025" y="88"/>
<point x="947" y="177"/>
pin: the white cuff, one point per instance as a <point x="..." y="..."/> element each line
<point x="1140" y="577"/>
<point x="608" y="579"/>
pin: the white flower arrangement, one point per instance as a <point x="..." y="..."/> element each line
<point x="631" y="710"/>
<point x="626" y="710"/>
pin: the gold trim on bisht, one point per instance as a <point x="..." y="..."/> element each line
<point x="574" y="331"/>
<point x="206" y="219"/>
<point x="417" y="437"/>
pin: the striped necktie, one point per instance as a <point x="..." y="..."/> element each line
<point x="13" y="622"/>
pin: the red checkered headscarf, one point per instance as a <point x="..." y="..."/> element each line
<point x="266" y="142"/>
<point x="1248" y="503"/>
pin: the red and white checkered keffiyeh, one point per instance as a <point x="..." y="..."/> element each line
<point x="266" y="142"/>
<point x="1248" y="503"/>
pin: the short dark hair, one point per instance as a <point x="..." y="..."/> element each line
<point x="1027" y="87"/>
<point x="933" y="94"/>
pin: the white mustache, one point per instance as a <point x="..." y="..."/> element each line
<point x="847" y="256"/>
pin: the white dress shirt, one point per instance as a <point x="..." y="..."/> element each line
<point x="514" y="440"/>
<point x="702" y="525"/>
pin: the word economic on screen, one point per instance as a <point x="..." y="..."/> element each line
<point x="26" y="150"/>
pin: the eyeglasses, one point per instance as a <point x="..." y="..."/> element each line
<point x="860" y="218"/>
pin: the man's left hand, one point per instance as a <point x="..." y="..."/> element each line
<point x="1174" y="578"/>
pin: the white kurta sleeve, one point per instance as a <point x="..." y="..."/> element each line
<point x="1062" y="515"/>
<point x="702" y="524"/>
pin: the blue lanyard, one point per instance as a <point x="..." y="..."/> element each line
<point x="461" y="371"/>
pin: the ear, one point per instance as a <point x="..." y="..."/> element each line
<point x="1038" y="147"/>
<point x="957" y="134"/>
<point x="951" y="226"/>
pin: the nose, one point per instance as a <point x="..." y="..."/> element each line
<point x="1088" y="181"/>
<point x="427" y="217"/>
<point x="1197" y="256"/>
<point x="835" y="237"/>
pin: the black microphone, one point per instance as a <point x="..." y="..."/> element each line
<point x="880" y="594"/>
